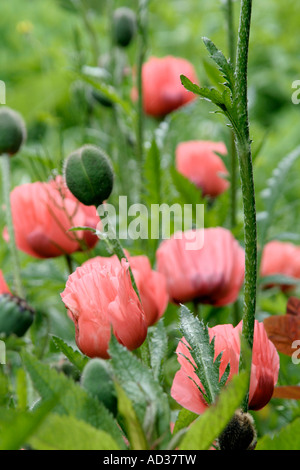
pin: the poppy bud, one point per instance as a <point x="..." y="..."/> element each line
<point x="97" y="380"/>
<point x="123" y="26"/>
<point x="89" y="175"/>
<point x="15" y="315"/>
<point x="239" y="434"/>
<point x="12" y="131"/>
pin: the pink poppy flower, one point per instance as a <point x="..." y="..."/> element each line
<point x="197" y="161"/>
<point x="281" y="258"/>
<point x="152" y="285"/>
<point x="211" y="275"/>
<point x="42" y="215"/>
<point x="99" y="298"/>
<point x="162" y="88"/>
<point x="264" y="370"/>
<point x="4" y="289"/>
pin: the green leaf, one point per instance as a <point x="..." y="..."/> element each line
<point x="149" y="399"/>
<point x="17" y="426"/>
<point x="68" y="433"/>
<point x="209" y="94"/>
<point x="152" y="175"/>
<point x="158" y="347"/>
<point x="279" y="279"/>
<point x="288" y="438"/>
<point x="224" y="65"/>
<point x="133" y="427"/>
<point x="201" y="349"/>
<point x="206" y="429"/>
<point x="75" y="357"/>
<point x="73" y="400"/>
<point x="184" y="419"/>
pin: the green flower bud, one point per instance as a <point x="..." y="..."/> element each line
<point x="89" y="175"/>
<point x="239" y="434"/>
<point x="97" y="380"/>
<point x="12" y="131"/>
<point x="123" y="26"/>
<point x="15" y="315"/>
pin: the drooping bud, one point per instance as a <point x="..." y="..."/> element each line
<point x="97" y="380"/>
<point x="239" y="434"/>
<point x="89" y="175"/>
<point x="12" y="131"/>
<point x="15" y="315"/>
<point x="123" y="26"/>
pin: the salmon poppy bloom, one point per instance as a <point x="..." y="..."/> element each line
<point x="281" y="258"/>
<point x="213" y="274"/>
<point x="264" y="369"/>
<point x="99" y="298"/>
<point x="152" y="285"/>
<point x="162" y="88"/>
<point x="4" y="289"/>
<point x="42" y="215"/>
<point x="197" y="161"/>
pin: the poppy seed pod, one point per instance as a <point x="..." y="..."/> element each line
<point x="89" y="175"/>
<point x="123" y="26"/>
<point x="12" y="131"/>
<point x="15" y="315"/>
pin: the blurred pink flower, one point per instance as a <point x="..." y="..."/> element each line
<point x="264" y="370"/>
<point x="162" y="88"/>
<point x="99" y="298"/>
<point x="151" y="285"/>
<point x="281" y="258"/>
<point x="4" y="289"/>
<point x="197" y="161"/>
<point x="213" y="274"/>
<point x="42" y="215"/>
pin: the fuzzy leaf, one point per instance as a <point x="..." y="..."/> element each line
<point x="75" y="357"/>
<point x="224" y="65"/>
<point x="209" y="94"/>
<point x="149" y="399"/>
<point x="201" y="349"/>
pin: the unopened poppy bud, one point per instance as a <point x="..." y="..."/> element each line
<point x="15" y="315"/>
<point x="97" y="380"/>
<point x="89" y="175"/>
<point x="123" y="26"/>
<point x="12" y="131"/>
<point x="239" y="434"/>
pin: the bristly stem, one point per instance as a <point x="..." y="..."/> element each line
<point x="6" y="186"/>
<point x="243" y="144"/>
<point x="142" y="46"/>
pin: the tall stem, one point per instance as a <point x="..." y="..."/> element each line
<point x="142" y="44"/>
<point x="10" y="228"/>
<point x="243" y="144"/>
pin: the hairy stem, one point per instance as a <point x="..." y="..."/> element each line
<point x="10" y="228"/>
<point x="243" y="144"/>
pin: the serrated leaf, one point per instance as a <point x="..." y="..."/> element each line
<point x="75" y="357"/>
<point x="210" y="94"/>
<point x="68" y="433"/>
<point x="149" y="399"/>
<point x="288" y="438"/>
<point x="158" y="346"/>
<point x="206" y="429"/>
<point x="201" y="349"/>
<point x="224" y="65"/>
<point x="73" y="400"/>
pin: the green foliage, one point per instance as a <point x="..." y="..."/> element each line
<point x="201" y="348"/>
<point x="288" y="438"/>
<point x="75" y="357"/>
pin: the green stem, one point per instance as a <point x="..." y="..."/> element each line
<point x="142" y="46"/>
<point x="243" y="144"/>
<point x="10" y="227"/>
